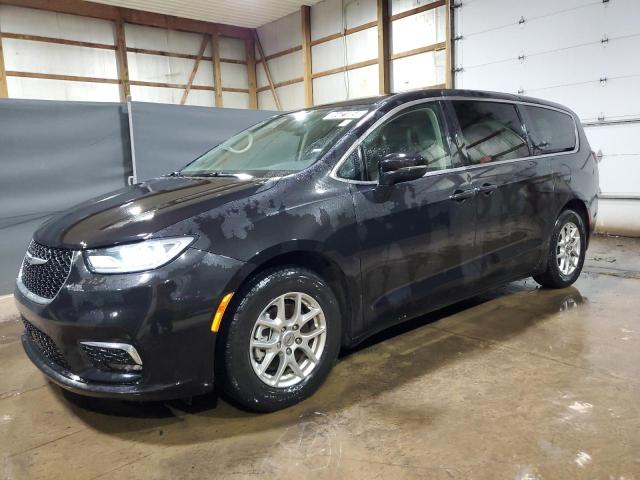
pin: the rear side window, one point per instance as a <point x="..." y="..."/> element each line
<point x="491" y="131"/>
<point x="550" y="131"/>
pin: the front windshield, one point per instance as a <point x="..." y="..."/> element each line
<point x="279" y="146"/>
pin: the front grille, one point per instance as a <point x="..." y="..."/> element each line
<point x="110" y="359"/>
<point x="46" y="280"/>
<point x="45" y="345"/>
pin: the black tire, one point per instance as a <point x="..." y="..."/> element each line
<point x="553" y="277"/>
<point x="239" y="380"/>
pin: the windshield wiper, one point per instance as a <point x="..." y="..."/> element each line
<point x="216" y="174"/>
<point x="175" y="174"/>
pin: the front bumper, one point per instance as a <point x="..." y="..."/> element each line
<point x="165" y="314"/>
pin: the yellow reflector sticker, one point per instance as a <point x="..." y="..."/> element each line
<point x="217" y="318"/>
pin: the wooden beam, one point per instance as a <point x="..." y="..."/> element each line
<point x="180" y="86"/>
<point x="267" y="71"/>
<point x="353" y="66"/>
<point x="162" y="53"/>
<point x="234" y="60"/>
<point x="60" y="41"/>
<point x="417" y="10"/>
<point x="138" y="17"/>
<point x="282" y="84"/>
<point x="427" y="48"/>
<point x="51" y="76"/>
<point x="281" y="53"/>
<point x="217" y="75"/>
<point x="196" y="64"/>
<point x="344" y="33"/>
<point x="305" y="15"/>
<point x="123" y="64"/>
<point x="384" y="84"/>
<point x="4" y="89"/>
<point x="237" y="90"/>
<point x="250" y="56"/>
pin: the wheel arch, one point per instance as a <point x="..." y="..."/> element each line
<point x="579" y="207"/>
<point x="304" y="254"/>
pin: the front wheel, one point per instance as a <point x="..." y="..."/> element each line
<point x="567" y="250"/>
<point x="282" y="341"/>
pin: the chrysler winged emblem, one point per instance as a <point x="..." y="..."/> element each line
<point x="33" y="260"/>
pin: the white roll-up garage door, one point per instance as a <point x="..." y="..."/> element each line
<point x="580" y="53"/>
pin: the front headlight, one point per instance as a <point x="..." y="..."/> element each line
<point x="136" y="257"/>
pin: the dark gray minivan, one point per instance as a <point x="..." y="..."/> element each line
<point x="253" y="265"/>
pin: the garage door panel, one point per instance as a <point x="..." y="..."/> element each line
<point x="564" y="67"/>
<point x="492" y="77"/>
<point x="490" y="47"/>
<point x="619" y="99"/>
<point x="620" y="139"/>
<point x="485" y="15"/>
<point x="619" y="173"/>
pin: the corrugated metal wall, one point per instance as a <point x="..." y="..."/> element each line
<point x="580" y="53"/>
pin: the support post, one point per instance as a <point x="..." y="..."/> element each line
<point x="250" y="55"/>
<point x="4" y="89"/>
<point x="217" y="74"/>
<point x="384" y="84"/>
<point x="123" y="64"/>
<point x="305" y="16"/>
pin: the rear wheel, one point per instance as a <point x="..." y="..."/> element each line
<point x="282" y="341"/>
<point x="567" y="250"/>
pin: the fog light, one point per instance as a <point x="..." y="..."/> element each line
<point x="111" y="356"/>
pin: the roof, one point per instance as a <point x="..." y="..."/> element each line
<point x="395" y="99"/>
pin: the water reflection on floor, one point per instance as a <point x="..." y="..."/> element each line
<point x="518" y="383"/>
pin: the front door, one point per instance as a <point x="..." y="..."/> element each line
<point x="416" y="237"/>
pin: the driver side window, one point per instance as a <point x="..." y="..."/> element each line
<point x="417" y="130"/>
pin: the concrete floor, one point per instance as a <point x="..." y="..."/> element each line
<point x="518" y="383"/>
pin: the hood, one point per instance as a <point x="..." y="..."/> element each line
<point x="136" y="212"/>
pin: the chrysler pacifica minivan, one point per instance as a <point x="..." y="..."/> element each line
<point x="252" y="266"/>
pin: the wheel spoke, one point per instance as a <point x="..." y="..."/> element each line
<point x="297" y="311"/>
<point x="280" y="309"/>
<point x="293" y="365"/>
<point x="312" y="313"/>
<point x="265" y="321"/>
<point x="308" y="352"/>
<point x="267" y="361"/>
<point x="264" y="344"/>
<point x="312" y="334"/>
<point x="281" y="367"/>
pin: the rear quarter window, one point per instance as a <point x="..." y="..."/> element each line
<point x="550" y="131"/>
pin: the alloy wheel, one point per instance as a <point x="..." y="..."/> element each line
<point x="568" y="248"/>
<point x="288" y="340"/>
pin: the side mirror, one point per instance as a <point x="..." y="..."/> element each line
<point x="400" y="167"/>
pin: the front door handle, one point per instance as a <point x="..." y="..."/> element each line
<point x="462" y="195"/>
<point x="487" y="188"/>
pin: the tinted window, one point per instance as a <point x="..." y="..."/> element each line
<point x="491" y="131"/>
<point x="550" y="131"/>
<point x="415" y="131"/>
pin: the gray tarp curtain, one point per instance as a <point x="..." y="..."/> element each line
<point x="54" y="155"/>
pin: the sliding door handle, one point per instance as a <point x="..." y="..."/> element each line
<point x="487" y="188"/>
<point x="462" y="195"/>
